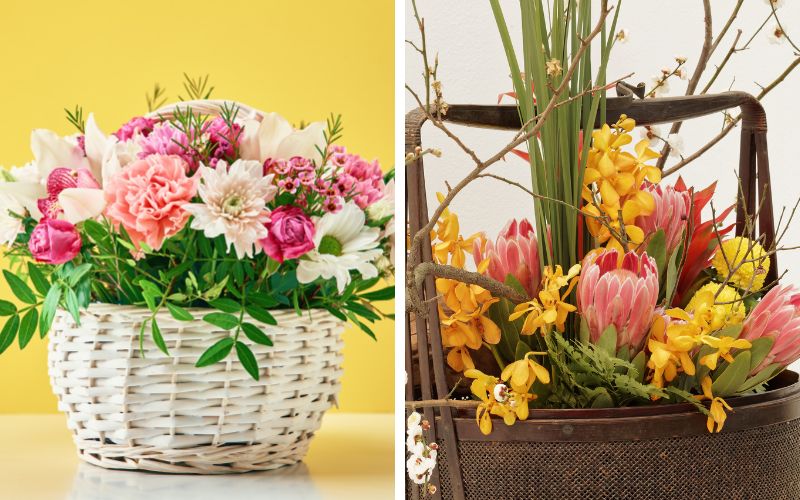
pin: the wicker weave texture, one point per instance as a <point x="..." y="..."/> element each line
<point x="161" y="413"/>
<point x="761" y="463"/>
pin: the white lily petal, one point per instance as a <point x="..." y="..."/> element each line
<point x="304" y="142"/>
<point x="273" y="130"/>
<point x="80" y="204"/>
<point x="96" y="146"/>
<point x="110" y="164"/>
<point x="27" y="194"/>
<point x="52" y="151"/>
<point x="249" y="147"/>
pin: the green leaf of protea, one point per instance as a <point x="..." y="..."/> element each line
<point x="608" y="340"/>
<point x="733" y="376"/>
<point x="216" y="352"/>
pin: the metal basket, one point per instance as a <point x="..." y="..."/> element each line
<point x="642" y="453"/>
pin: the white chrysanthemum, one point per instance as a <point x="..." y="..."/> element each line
<point x="234" y="204"/>
<point x="10" y="226"/>
<point x="343" y="243"/>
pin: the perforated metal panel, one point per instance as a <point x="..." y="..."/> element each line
<point x="761" y="463"/>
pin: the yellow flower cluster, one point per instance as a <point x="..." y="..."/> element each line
<point x="612" y="185"/>
<point x="550" y="308"/>
<point x="674" y="339"/>
<point x="451" y="244"/>
<point x="462" y="310"/>
<point x="743" y="262"/>
<point x="507" y="401"/>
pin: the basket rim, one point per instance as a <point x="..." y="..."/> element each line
<point x="98" y="307"/>
<point x="775" y="406"/>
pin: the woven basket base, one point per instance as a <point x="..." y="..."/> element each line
<point x="222" y="459"/>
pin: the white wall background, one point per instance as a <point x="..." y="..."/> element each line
<point x="473" y="69"/>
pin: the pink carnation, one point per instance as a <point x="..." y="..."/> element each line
<point x="368" y="180"/>
<point x="167" y="140"/>
<point x="54" y="241"/>
<point x="147" y="198"/>
<point x="137" y="124"/>
<point x="224" y="138"/>
<point x="291" y="234"/>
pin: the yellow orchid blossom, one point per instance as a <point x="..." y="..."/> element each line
<point x="451" y="244"/>
<point x="716" y="412"/>
<point x="717" y="311"/>
<point x="550" y="308"/>
<point x="669" y="347"/>
<point x="612" y="185"/>
<point x="723" y="346"/>
<point x="497" y="399"/>
<point x="522" y="374"/>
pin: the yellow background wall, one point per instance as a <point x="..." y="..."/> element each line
<point x="303" y="59"/>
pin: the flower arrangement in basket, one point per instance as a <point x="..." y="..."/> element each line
<point x="622" y="288"/>
<point x="224" y="237"/>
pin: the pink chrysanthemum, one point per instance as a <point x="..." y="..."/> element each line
<point x="136" y="125"/>
<point x="368" y="180"/>
<point x="166" y="140"/>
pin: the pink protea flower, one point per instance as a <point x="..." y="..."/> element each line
<point x="136" y="125"/>
<point x="54" y="241"/>
<point x="620" y="294"/>
<point x="166" y="140"/>
<point x="671" y="213"/>
<point x="148" y="198"/>
<point x="776" y="316"/>
<point x="515" y="252"/>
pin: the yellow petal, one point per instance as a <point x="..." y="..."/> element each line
<point x="540" y="371"/>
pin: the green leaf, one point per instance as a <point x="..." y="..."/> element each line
<point x="657" y="249"/>
<point x="672" y="277"/>
<point x="255" y="334"/>
<point x="20" y="289"/>
<point x="95" y="230"/>
<point x="178" y="312"/>
<point x="158" y="338"/>
<point x="262" y="300"/>
<point x="759" y="378"/>
<point x="7" y="308"/>
<point x="759" y="349"/>
<point x="8" y="333"/>
<point x="639" y="365"/>
<point x="601" y="398"/>
<point x="382" y="294"/>
<point x="734" y="375"/>
<point x="521" y="350"/>
<point x="78" y="273"/>
<point x="216" y="352"/>
<point x="261" y="315"/>
<point x="38" y="279"/>
<point x="608" y="340"/>
<point x="72" y="305"/>
<point x="584" y="334"/>
<point x="51" y="301"/>
<point x="27" y="327"/>
<point x="223" y="320"/>
<point x="226" y="305"/>
<point x="248" y="359"/>
<point x="337" y="313"/>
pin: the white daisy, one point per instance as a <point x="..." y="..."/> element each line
<point x="234" y="204"/>
<point x="343" y="243"/>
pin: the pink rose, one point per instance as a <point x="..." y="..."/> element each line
<point x="291" y="234"/>
<point x="54" y="241"/>
<point x="147" y="198"/>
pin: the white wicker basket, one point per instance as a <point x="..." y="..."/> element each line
<point x="163" y="414"/>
